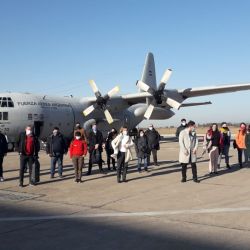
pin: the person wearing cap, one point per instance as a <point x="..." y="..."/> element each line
<point x="3" y="153"/>
<point x="56" y="148"/>
<point x="240" y="141"/>
<point x="225" y="144"/>
<point x="78" y="150"/>
<point x="153" y="139"/>
<point x="181" y="127"/>
<point x="188" y="142"/>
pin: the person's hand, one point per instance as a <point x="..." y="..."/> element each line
<point x="186" y="153"/>
<point x="96" y="146"/>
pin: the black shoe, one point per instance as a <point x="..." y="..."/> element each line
<point x="114" y="168"/>
<point x="125" y="180"/>
<point x="88" y="173"/>
<point x="80" y="181"/>
<point x="183" y="180"/>
<point x="240" y="165"/>
<point x="21" y="185"/>
<point x="196" y="181"/>
<point x="210" y="173"/>
<point x="216" y="172"/>
<point x="139" y="170"/>
<point x="75" y="180"/>
<point x="52" y="177"/>
<point x="228" y="166"/>
<point x="146" y="170"/>
<point x="118" y="181"/>
<point x="109" y="168"/>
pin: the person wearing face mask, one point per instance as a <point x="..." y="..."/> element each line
<point x="28" y="148"/>
<point x="141" y="148"/>
<point x="56" y="148"/>
<point x="95" y="140"/>
<point x="241" y="142"/>
<point x="122" y="144"/>
<point x="153" y="138"/>
<point x="3" y="153"/>
<point x="78" y="128"/>
<point x="181" y="127"/>
<point x="188" y="142"/>
<point x="226" y="139"/>
<point x="109" y="150"/>
<point x="78" y="150"/>
<point x="214" y="148"/>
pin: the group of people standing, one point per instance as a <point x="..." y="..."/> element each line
<point x="216" y="143"/>
<point x="117" y="145"/>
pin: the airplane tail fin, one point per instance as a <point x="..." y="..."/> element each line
<point x="148" y="74"/>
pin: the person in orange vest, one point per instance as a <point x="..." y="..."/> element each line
<point x="241" y="142"/>
<point x="78" y="150"/>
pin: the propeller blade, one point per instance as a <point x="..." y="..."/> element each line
<point x="166" y="76"/>
<point x="108" y="116"/>
<point x="172" y="103"/>
<point x="143" y="86"/>
<point x="94" y="88"/>
<point x="113" y="91"/>
<point x="88" y="110"/>
<point x="149" y="111"/>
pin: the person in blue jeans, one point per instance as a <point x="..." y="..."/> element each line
<point x="56" y="148"/>
<point x="142" y="149"/>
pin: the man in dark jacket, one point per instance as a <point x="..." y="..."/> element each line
<point x="95" y="140"/>
<point x="28" y="148"/>
<point x="141" y="148"/>
<point x="153" y="139"/>
<point x="3" y="152"/>
<point x="181" y="127"/>
<point x="56" y="148"/>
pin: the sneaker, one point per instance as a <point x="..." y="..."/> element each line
<point x="1" y="179"/>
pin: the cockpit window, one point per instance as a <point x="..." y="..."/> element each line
<point x="4" y="116"/>
<point x="6" y="102"/>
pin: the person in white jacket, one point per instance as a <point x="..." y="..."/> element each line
<point x="122" y="144"/>
<point x="188" y="142"/>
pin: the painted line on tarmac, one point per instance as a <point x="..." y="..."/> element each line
<point x="124" y="214"/>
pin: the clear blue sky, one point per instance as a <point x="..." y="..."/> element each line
<point x="56" y="46"/>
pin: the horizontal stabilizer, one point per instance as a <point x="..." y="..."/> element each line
<point x="184" y="105"/>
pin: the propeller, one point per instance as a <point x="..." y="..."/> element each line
<point x="101" y="101"/>
<point x="158" y="94"/>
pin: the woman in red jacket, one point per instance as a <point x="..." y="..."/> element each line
<point x="78" y="150"/>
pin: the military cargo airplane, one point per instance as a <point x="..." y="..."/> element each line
<point x="43" y="112"/>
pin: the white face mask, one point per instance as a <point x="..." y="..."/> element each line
<point x="125" y="132"/>
<point x="55" y="132"/>
<point x="28" y="132"/>
<point x="183" y="123"/>
<point x="150" y="128"/>
<point x="141" y="135"/>
<point x="78" y="137"/>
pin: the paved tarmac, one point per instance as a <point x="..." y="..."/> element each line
<point x="152" y="210"/>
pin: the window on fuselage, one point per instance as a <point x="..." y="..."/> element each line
<point x="5" y="116"/>
<point x="6" y="102"/>
<point x="10" y="103"/>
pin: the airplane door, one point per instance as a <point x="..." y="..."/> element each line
<point x="37" y="128"/>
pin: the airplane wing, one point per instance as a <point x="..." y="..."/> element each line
<point x="195" y="92"/>
<point x="136" y="98"/>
